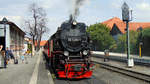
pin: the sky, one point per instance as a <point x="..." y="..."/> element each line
<point x="58" y="11"/>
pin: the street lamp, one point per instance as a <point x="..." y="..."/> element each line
<point x="4" y="21"/>
<point x="126" y="18"/>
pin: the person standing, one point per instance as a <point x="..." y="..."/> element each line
<point x="1" y="47"/>
<point x="7" y="55"/>
<point x="4" y="59"/>
<point x="1" y="57"/>
<point x="22" y="58"/>
<point x="16" y="60"/>
<point x="106" y="55"/>
<point x="11" y="56"/>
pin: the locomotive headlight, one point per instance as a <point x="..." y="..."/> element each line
<point x="74" y="23"/>
<point x="85" y="52"/>
<point x="66" y="53"/>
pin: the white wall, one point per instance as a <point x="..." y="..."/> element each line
<point x="1" y="30"/>
<point x="7" y="36"/>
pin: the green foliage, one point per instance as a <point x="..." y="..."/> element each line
<point x="133" y="42"/>
<point x="121" y="42"/>
<point x="100" y="34"/>
<point x="146" y="32"/>
<point x="146" y="41"/>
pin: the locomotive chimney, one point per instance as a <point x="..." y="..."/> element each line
<point x="72" y="21"/>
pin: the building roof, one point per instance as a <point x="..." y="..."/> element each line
<point x="121" y="25"/>
<point x="42" y="43"/>
<point x="13" y="24"/>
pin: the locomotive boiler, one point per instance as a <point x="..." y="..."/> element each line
<point x="68" y="51"/>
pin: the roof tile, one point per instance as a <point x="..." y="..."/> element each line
<point x="121" y="25"/>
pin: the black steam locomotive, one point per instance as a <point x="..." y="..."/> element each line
<point x="68" y="51"/>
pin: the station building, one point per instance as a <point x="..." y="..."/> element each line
<point x="11" y="36"/>
<point x="117" y="26"/>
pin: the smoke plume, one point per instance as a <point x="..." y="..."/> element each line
<point x="76" y="4"/>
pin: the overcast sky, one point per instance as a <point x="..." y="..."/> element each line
<point x="93" y="11"/>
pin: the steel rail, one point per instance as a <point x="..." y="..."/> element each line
<point x="137" y="75"/>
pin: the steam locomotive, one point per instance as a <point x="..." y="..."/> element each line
<point x="68" y="51"/>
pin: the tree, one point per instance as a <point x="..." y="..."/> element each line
<point x="146" y="41"/>
<point x="133" y="42"/>
<point x="100" y="35"/>
<point x="36" y="24"/>
<point x="121" y="42"/>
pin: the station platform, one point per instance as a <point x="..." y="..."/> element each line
<point x="121" y="55"/>
<point x="32" y="72"/>
<point x="135" y="68"/>
<point x="144" y="60"/>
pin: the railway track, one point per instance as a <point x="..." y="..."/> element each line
<point x="91" y="80"/>
<point x="137" y="75"/>
<point x="94" y="80"/>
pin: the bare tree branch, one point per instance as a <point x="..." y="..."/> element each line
<point x="37" y="25"/>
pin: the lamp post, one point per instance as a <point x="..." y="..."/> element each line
<point x="4" y="21"/>
<point x="126" y="18"/>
